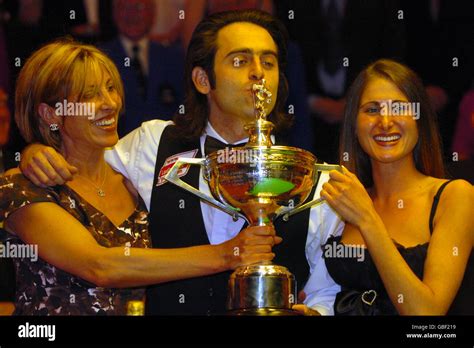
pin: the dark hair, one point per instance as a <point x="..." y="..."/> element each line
<point x="427" y="151"/>
<point x="201" y="52"/>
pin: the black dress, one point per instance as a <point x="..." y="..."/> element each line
<point x="362" y="290"/>
<point x="43" y="289"/>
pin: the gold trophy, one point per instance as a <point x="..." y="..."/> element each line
<point x="258" y="182"/>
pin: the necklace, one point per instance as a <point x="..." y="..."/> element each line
<point x="99" y="189"/>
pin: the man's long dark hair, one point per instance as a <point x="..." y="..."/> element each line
<point x="201" y="52"/>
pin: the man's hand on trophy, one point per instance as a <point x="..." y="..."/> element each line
<point x="252" y="245"/>
<point x="44" y="166"/>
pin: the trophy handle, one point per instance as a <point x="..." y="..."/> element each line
<point x="287" y="212"/>
<point x="172" y="176"/>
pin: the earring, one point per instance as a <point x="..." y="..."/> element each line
<point x="54" y="127"/>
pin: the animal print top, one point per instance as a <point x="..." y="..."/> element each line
<point x="43" y="289"/>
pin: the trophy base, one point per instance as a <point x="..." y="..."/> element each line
<point x="276" y="312"/>
<point x="262" y="290"/>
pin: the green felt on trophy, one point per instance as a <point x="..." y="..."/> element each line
<point x="273" y="186"/>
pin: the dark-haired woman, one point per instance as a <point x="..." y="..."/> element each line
<point x="415" y="227"/>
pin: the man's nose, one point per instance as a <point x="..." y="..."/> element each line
<point x="256" y="71"/>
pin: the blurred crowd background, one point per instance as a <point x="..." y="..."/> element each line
<point x="331" y="41"/>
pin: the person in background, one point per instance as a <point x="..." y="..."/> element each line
<point x="463" y="143"/>
<point x="460" y="162"/>
<point x="152" y="74"/>
<point x="338" y="38"/>
<point x="86" y="20"/>
<point x="441" y="30"/>
<point x="171" y="17"/>
<point x="198" y="9"/>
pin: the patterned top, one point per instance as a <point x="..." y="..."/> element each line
<point x="43" y="289"/>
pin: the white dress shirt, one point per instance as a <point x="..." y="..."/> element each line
<point x="134" y="156"/>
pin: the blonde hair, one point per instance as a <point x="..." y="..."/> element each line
<point x="53" y="73"/>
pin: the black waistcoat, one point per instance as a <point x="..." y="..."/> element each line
<point x="176" y="221"/>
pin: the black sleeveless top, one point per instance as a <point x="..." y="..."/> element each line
<point x="362" y="290"/>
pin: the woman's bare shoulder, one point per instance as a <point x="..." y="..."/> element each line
<point x="458" y="195"/>
<point x="459" y="188"/>
<point x="453" y="187"/>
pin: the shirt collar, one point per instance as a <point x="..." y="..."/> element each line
<point x="209" y="130"/>
<point x="213" y="133"/>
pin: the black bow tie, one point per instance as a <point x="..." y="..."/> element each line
<point x="212" y="144"/>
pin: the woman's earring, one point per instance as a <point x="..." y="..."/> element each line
<point x="54" y="127"/>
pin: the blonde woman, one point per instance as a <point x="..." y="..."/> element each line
<point x="91" y="233"/>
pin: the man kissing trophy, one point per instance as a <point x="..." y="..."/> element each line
<point x="258" y="182"/>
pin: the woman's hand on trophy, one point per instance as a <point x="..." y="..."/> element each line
<point x="348" y="197"/>
<point x="252" y="245"/>
<point x="44" y="166"/>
